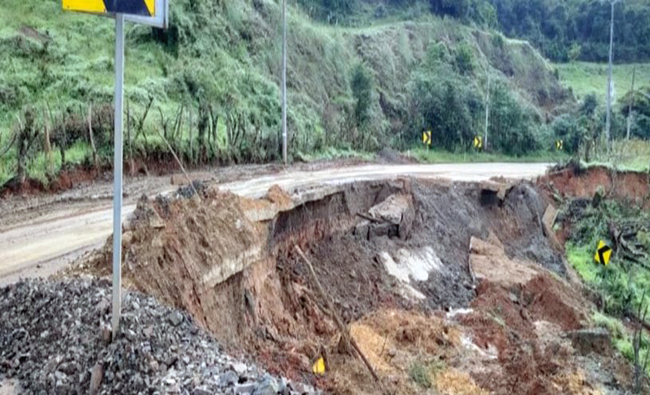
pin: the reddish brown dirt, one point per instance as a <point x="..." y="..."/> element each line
<point x="65" y="180"/>
<point x="505" y="321"/>
<point x="622" y="185"/>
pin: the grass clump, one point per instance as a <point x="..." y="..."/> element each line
<point x="423" y="372"/>
<point x="420" y="375"/>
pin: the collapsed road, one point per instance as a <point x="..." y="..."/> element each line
<point x="381" y="284"/>
<point x="44" y="246"/>
<point x="460" y="287"/>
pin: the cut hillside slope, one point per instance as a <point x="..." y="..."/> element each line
<point x="222" y="60"/>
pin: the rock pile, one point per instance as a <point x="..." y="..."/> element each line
<point x="55" y="339"/>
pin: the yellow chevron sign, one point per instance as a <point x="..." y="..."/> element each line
<point x="127" y="7"/>
<point x="603" y="253"/>
<point x="478" y="142"/>
<point x="426" y="138"/>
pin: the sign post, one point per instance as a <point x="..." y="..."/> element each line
<point x="147" y="12"/>
<point x="117" y="172"/>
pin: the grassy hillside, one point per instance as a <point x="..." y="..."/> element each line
<point x="587" y="78"/>
<point x="221" y="59"/>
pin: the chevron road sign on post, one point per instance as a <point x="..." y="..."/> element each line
<point x="603" y="253"/>
<point x="130" y="7"/>
<point x="147" y="12"/>
<point x="426" y="138"/>
<point x="478" y="142"/>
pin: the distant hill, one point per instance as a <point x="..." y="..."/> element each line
<point x="562" y="29"/>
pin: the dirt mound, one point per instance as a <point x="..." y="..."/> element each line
<point x="524" y="314"/>
<point x="389" y="155"/>
<point x="400" y="344"/>
<point x="182" y="250"/>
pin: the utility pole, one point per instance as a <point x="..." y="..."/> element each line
<point x="608" y="124"/>
<point x="629" y="112"/>
<point x="487" y="112"/>
<point x="284" y="82"/>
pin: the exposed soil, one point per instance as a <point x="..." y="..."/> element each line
<point x="572" y="182"/>
<point x="65" y="180"/>
<point x="398" y="260"/>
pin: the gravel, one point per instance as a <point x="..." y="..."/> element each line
<point x="55" y="339"/>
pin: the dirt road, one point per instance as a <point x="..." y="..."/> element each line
<point x="40" y="246"/>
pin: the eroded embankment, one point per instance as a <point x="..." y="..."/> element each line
<point x="575" y="182"/>
<point x="398" y="260"/>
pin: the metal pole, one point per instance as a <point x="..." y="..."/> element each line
<point x="608" y="122"/>
<point x="629" y="111"/>
<point x="284" y="82"/>
<point x="117" y="172"/>
<point x="487" y="113"/>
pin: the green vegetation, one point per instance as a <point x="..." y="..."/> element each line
<point x="578" y="29"/>
<point x="632" y="155"/>
<point x="562" y="30"/>
<point x="363" y="75"/>
<point x="591" y="78"/>
<point x="214" y="77"/>
<point x="624" y="280"/>
<point x="442" y="156"/>
<point x="582" y="131"/>
<point x="624" y="284"/>
<point x="419" y="374"/>
<point x="622" y="337"/>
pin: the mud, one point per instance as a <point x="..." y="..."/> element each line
<point x="393" y="257"/>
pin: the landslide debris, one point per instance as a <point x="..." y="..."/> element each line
<point x="454" y="287"/>
<point x="53" y="339"/>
